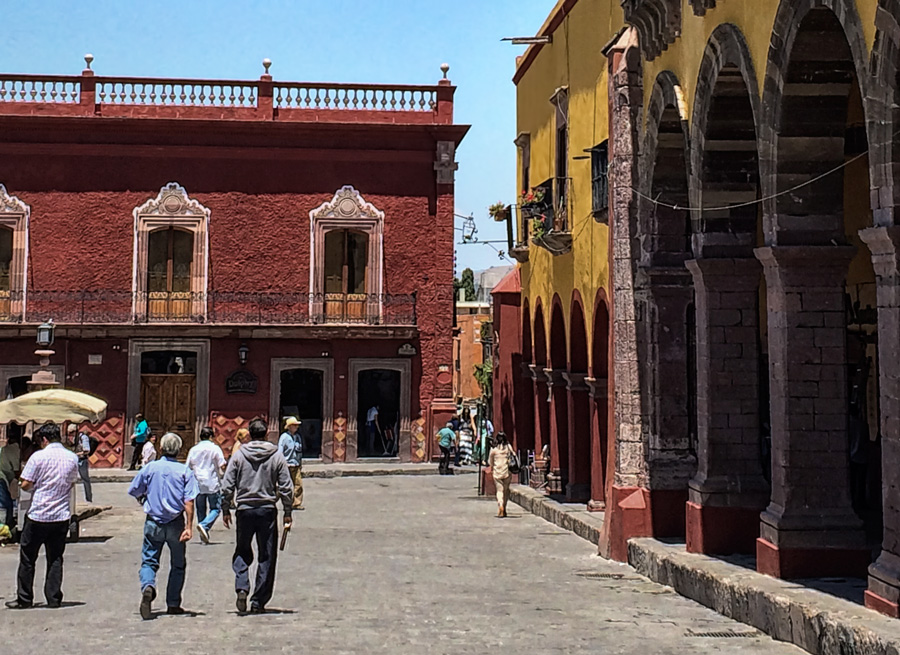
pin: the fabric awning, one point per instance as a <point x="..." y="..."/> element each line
<point x="53" y="405"/>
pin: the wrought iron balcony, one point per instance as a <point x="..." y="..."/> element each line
<point x="214" y="307"/>
<point x="263" y="99"/>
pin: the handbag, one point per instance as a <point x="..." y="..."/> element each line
<point x="514" y="466"/>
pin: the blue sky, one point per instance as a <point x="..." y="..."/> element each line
<point x="394" y="41"/>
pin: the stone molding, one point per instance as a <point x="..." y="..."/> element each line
<point x="172" y="207"/>
<point x="16" y="216"/>
<point x="657" y="21"/>
<point x="575" y="382"/>
<point x="321" y="364"/>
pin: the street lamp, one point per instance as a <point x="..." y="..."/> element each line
<point x="243" y="353"/>
<point x="45" y="334"/>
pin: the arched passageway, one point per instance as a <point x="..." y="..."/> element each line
<point x="579" y="407"/>
<point x="527" y="438"/>
<point x="559" y="401"/>
<point x="539" y="377"/>
<point x="600" y="394"/>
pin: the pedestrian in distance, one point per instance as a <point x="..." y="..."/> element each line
<point x="82" y="443"/>
<point x="257" y="477"/>
<point x="50" y="473"/>
<point x="138" y="439"/>
<point x="373" y="428"/>
<point x="241" y="437"/>
<point x="167" y="489"/>
<point x="290" y="443"/>
<point x="446" y="438"/>
<point x="498" y="460"/>
<point x="148" y="452"/>
<point x="207" y="461"/>
<point x="9" y="473"/>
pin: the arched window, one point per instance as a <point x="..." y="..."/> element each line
<point x="169" y="259"/>
<point x="346" y="267"/>
<point x="14" y="216"/>
<point x="346" y="280"/>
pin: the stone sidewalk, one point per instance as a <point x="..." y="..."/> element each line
<point x="818" y="622"/>
<point x="400" y="565"/>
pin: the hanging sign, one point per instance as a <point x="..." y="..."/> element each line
<point x="241" y="381"/>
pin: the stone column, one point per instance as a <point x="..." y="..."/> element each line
<point x="884" y="575"/>
<point x="541" y="429"/>
<point x="559" y="428"/>
<point x="809" y="528"/>
<point x="599" y="401"/>
<point x="728" y="491"/>
<point x="578" y="489"/>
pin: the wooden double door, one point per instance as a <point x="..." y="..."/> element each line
<point x="169" y="403"/>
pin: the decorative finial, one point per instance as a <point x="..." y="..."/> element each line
<point x="88" y="58"/>
<point x="445" y="68"/>
<point x="266" y="64"/>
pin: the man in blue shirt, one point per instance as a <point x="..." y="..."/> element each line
<point x="291" y="446"/>
<point x="167" y="489"/>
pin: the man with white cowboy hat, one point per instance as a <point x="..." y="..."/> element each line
<point x="291" y="446"/>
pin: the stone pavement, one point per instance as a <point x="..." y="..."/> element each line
<point x="376" y="565"/>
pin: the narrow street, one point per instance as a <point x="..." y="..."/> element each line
<point x="394" y="564"/>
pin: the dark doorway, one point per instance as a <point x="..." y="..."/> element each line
<point x="16" y="386"/>
<point x="378" y="388"/>
<point x="301" y="396"/>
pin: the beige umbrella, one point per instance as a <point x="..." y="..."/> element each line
<point x="54" y="406"/>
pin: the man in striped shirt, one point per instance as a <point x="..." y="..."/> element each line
<point x="50" y="473"/>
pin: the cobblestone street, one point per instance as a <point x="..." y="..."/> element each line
<point x="395" y="564"/>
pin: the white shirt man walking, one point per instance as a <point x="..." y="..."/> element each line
<point x="207" y="461"/>
<point x="82" y="444"/>
<point x="50" y="472"/>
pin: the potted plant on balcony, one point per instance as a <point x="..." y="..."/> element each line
<point x="538" y="227"/>
<point x="499" y="212"/>
<point x="533" y="202"/>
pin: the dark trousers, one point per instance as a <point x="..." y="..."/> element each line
<point x="53" y="537"/>
<point x="136" y="455"/>
<point x="84" y="471"/>
<point x="444" y="465"/>
<point x="262" y="524"/>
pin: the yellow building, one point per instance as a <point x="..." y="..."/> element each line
<point x="709" y="275"/>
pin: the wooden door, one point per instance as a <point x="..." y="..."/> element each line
<point x="168" y="402"/>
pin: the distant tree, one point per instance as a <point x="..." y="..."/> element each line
<point x="467" y="282"/>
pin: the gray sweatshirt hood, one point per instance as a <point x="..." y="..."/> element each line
<point x="257" y="452"/>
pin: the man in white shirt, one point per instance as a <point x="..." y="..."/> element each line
<point x="50" y="473"/>
<point x="372" y="428"/>
<point x="207" y="461"/>
<point x="82" y="444"/>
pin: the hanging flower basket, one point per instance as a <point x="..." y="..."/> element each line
<point x="533" y="203"/>
<point x="499" y="212"/>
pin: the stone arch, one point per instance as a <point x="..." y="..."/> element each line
<point x="526" y="435"/>
<point x="664" y="232"/>
<point x="827" y="25"/>
<point x="884" y="145"/>
<point x="538" y="366"/>
<point x="579" y="408"/>
<point x="557" y="366"/>
<point x="724" y="147"/>
<point x="601" y="457"/>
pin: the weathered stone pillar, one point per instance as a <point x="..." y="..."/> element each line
<point x="541" y="409"/>
<point x="809" y="528"/>
<point x="667" y="292"/>
<point x="578" y="488"/>
<point x="884" y="575"/>
<point x="559" y="429"/>
<point x="728" y="491"/>
<point x="599" y="401"/>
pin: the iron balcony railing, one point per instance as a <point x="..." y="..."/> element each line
<point x="106" y="307"/>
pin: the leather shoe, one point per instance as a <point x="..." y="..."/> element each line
<point x="17" y="605"/>
<point x="177" y="611"/>
<point x="257" y="609"/>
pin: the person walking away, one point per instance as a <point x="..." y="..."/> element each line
<point x="257" y="477"/>
<point x="83" y="451"/>
<point x="50" y="473"/>
<point x="138" y="439"/>
<point x="148" y="452"/>
<point x="9" y="471"/>
<point x="498" y="460"/>
<point x="240" y="438"/>
<point x="167" y="489"/>
<point x="207" y="461"/>
<point x="446" y="437"/>
<point x="291" y="446"/>
<point x="373" y="427"/>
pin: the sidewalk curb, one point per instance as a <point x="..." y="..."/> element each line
<point x="813" y="620"/>
<point x="102" y="475"/>
<point x="578" y="521"/>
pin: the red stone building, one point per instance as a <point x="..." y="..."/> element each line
<point x="211" y="251"/>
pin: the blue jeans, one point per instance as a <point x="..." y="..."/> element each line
<point x="215" y="508"/>
<point x="156" y="535"/>
<point x="6" y="504"/>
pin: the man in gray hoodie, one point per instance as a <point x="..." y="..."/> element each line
<point x="256" y="478"/>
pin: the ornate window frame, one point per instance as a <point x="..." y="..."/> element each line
<point x="16" y="215"/>
<point x="172" y="207"/>
<point x="347" y="210"/>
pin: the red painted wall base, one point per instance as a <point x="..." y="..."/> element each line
<point x="788" y="563"/>
<point x="879" y="604"/>
<point x="721" y="530"/>
<point x="638" y="512"/>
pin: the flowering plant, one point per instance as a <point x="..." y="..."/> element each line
<point x="532" y="197"/>
<point x="498" y="212"/>
<point x="538" y="227"/>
